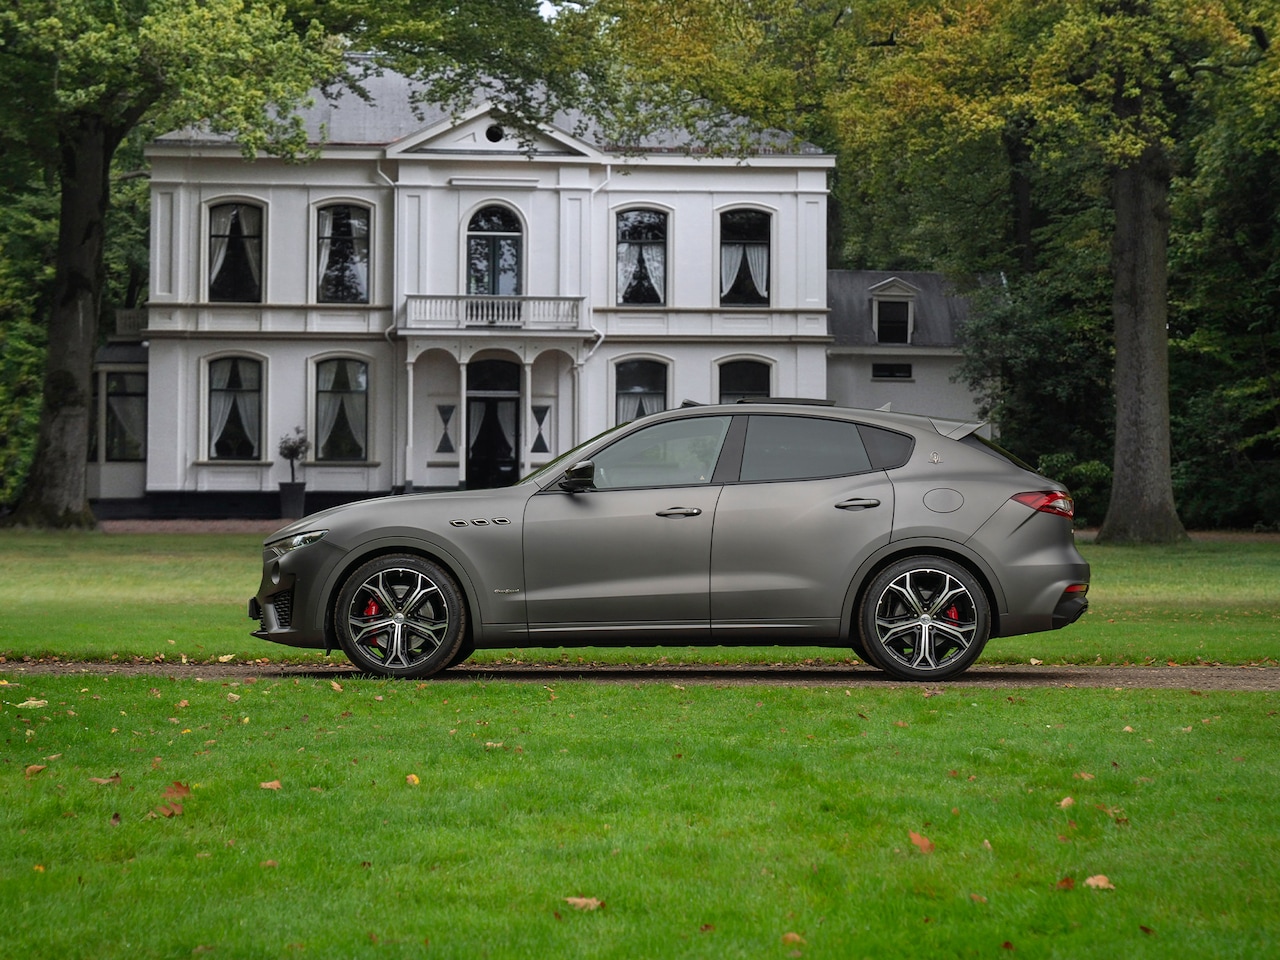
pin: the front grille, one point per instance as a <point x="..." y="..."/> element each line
<point x="282" y="604"/>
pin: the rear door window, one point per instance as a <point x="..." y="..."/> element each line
<point x="801" y="448"/>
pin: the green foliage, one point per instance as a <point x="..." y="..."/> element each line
<point x="27" y="236"/>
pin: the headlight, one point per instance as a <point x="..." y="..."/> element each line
<point x="283" y="546"/>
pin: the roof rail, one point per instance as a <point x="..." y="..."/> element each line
<point x="809" y="401"/>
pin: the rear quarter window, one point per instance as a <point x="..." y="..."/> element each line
<point x="886" y="449"/>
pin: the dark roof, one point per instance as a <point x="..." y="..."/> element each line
<point x="940" y="312"/>
<point x="394" y="110"/>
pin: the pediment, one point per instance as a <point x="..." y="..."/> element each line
<point x="894" y="287"/>
<point x="478" y="134"/>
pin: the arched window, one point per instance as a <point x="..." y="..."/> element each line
<point x="744" y="257"/>
<point x="494" y="251"/>
<point x="235" y="253"/>
<point x="641" y="389"/>
<point x="342" y="410"/>
<point x="741" y="379"/>
<point x="642" y="257"/>
<point x="235" y="409"/>
<point x="342" y="254"/>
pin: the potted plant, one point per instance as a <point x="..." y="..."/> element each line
<point x="293" y="447"/>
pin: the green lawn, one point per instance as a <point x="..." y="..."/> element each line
<point x="148" y="817"/>
<point x="93" y="596"/>
<point x="156" y="817"/>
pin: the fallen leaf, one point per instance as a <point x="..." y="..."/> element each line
<point x="1128" y="730"/>
<point x="584" y="903"/>
<point x="1067" y="883"/>
<point x="233" y="697"/>
<point x="1066" y="802"/>
<point x="270" y="785"/>
<point x="1083" y="776"/>
<point x="1147" y="930"/>
<point x="226" y="658"/>
<point x="167" y="810"/>
<point x="901" y="723"/>
<point x="977" y="898"/>
<point x="34" y="769"/>
<point x="106" y="781"/>
<point x="793" y="939"/>
<point x="115" y="820"/>
<point x="38" y="868"/>
<point x="922" y="842"/>
<point x="268" y="863"/>
<point x="32" y="704"/>
<point x="412" y="780"/>
<point x="336" y="685"/>
<point x="1099" y="882"/>
<point x="1036" y="663"/>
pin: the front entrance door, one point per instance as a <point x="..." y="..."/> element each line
<point x="493" y="424"/>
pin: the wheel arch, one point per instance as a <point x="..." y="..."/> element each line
<point x="389" y="546"/>
<point x="901" y="550"/>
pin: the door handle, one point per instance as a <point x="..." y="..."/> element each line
<point x="678" y="512"/>
<point x="857" y="503"/>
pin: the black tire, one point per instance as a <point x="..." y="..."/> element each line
<point x="924" y="618"/>
<point x="465" y="649"/>
<point x="400" y="616"/>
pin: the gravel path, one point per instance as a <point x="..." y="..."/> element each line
<point x="1199" y="678"/>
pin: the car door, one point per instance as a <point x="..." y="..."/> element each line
<point x="808" y="509"/>
<point x="629" y="557"/>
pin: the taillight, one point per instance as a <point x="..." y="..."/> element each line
<point x="1048" y="501"/>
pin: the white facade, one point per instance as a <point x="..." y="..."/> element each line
<point x="479" y="249"/>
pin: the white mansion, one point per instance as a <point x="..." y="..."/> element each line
<point x="437" y="305"/>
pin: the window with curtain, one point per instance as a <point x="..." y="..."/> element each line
<point x="235" y="409"/>
<point x="494" y="249"/>
<point x="342" y="410"/>
<point x="641" y="389"/>
<point x="342" y="238"/>
<point x="642" y="257"/>
<point x="235" y="253"/>
<point x="743" y="379"/>
<point x="744" y="257"/>
<point x="126" y="417"/>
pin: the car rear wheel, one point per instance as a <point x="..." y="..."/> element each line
<point x="400" y="616"/>
<point x="924" y="618"/>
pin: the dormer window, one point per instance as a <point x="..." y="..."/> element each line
<point x="893" y="321"/>
<point x="893" y="311"/>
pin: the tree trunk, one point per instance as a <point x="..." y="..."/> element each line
<point x="55" y="494"/>
<point x="1142" y="508"/>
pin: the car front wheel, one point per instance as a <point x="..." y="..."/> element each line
<point x="924" y="618"/>
<point x="400" y="616"/>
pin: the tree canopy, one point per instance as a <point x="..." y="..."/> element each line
<point x="1034" y="142"/>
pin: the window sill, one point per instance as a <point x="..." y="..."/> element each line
<point x="233" y="463"/>
<point x="340" y="463"/>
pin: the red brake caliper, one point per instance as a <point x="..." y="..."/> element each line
<point x="953" y="614"/>
<point x="371" y="609"/>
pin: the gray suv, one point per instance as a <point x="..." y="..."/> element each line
<point x="910" y="539"/>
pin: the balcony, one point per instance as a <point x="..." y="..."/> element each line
<point x="423" y="312"/>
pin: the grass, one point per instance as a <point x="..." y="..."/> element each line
<point x="711" y="822"/>
<point x="150" y="596"/>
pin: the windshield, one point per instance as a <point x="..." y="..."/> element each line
<point x="560" y="463"/>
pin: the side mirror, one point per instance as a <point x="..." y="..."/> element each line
<point x="581" y="476"/>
